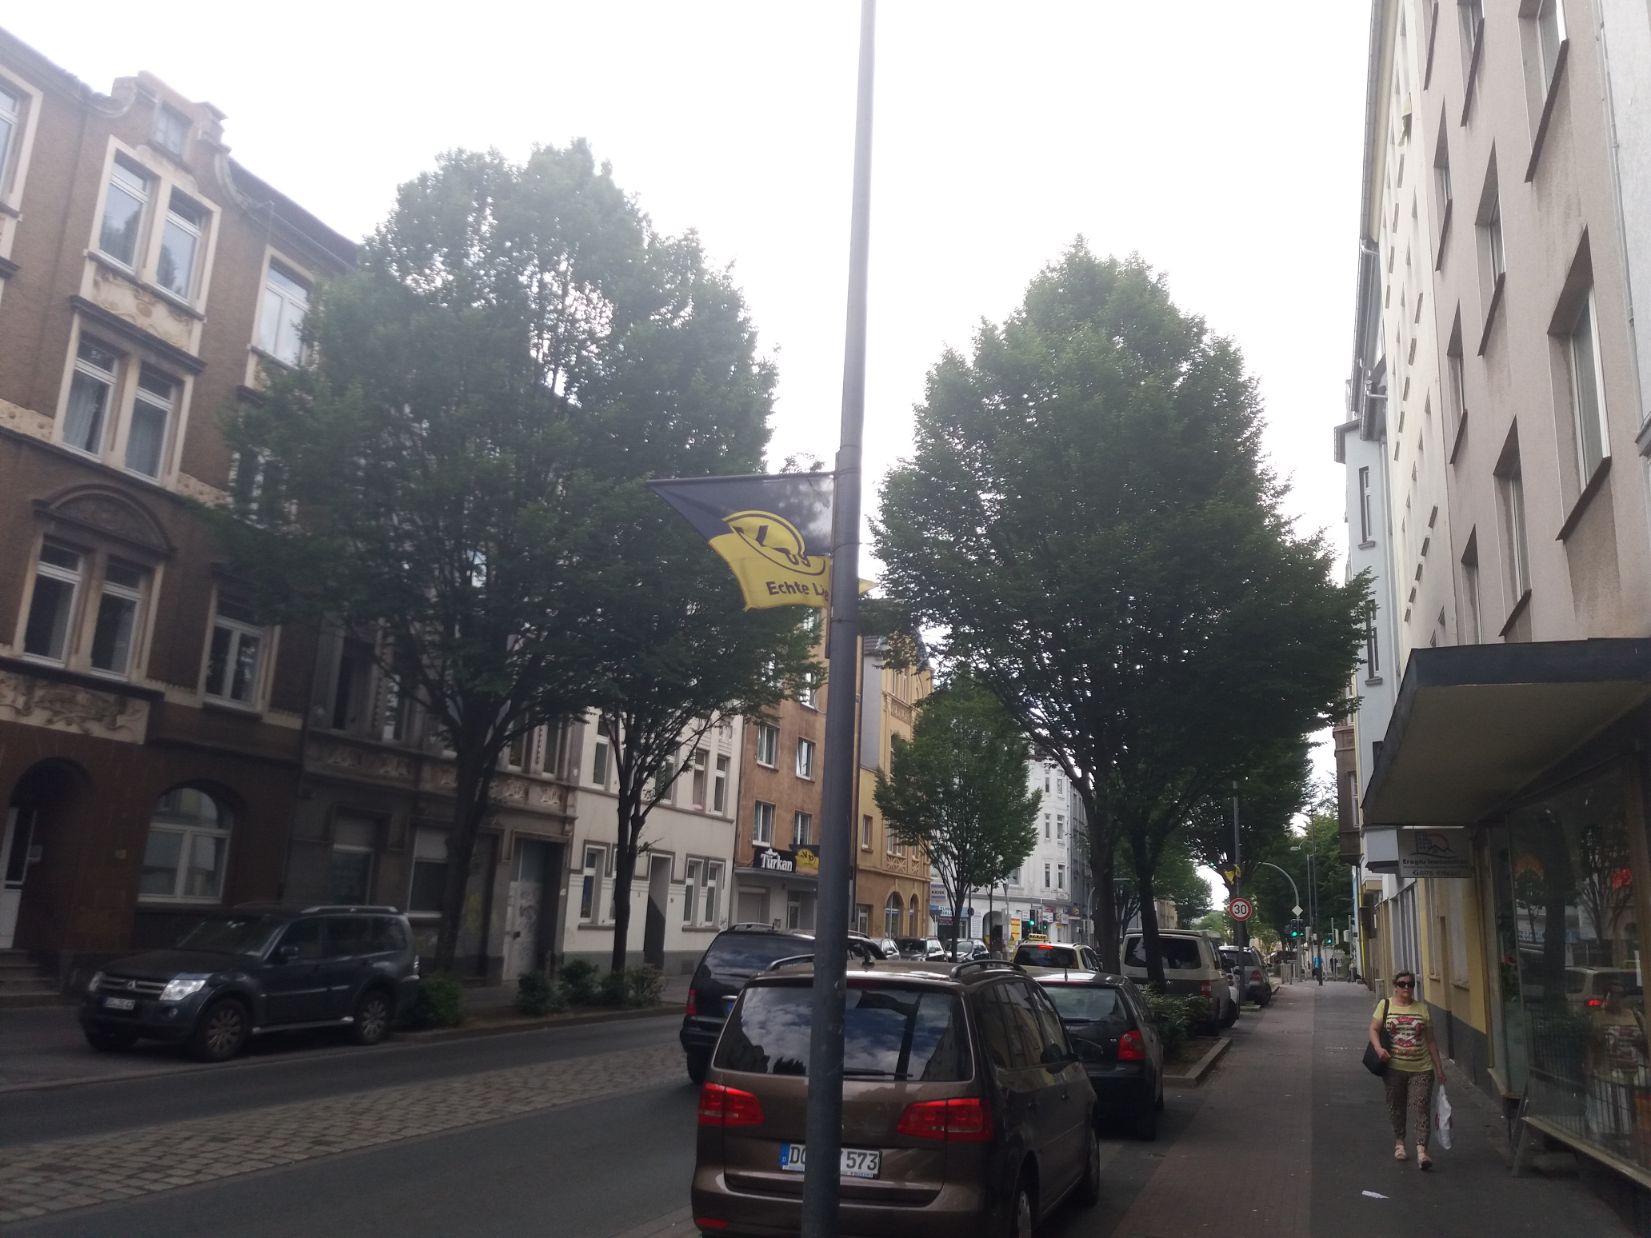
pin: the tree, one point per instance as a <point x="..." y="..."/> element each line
<point x="449" y="469"/>
<point x="1087" y="525"/>
<point x="958" y="790"/>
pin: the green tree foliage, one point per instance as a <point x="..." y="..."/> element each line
<point x="958" y="790"/>
<point x="460" y="470"/>
<point x="1088" y="527"/>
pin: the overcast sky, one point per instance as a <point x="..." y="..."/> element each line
<point x="1219" y="141"/>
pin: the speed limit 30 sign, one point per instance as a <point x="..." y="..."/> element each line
<point x="1240" y="909"/>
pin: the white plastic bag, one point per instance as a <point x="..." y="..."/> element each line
<point x="1441" y="1117"/>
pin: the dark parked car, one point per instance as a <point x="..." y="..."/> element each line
<point x="965" y="1107"/>
<point x="736" y="954"/>
<point x="1256" y="987"/>
<point x="259" y="968"/>
<point x="1107" y="1019"/>
<point x="921" y="948"/>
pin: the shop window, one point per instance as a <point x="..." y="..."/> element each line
<point x="187" y="848"/>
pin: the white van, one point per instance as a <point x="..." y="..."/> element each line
<point x="1192" y="968"/>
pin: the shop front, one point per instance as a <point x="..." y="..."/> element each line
<point x="780" y="887"/>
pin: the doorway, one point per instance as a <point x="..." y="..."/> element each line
<point x="17" y="851"/>
<point x="659" y="898"/>
<point x="525" y="930"/>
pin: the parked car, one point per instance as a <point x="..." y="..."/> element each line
<point x="967" y="948"/>
<point x="1192" y="968"/>
<point x="966" y="1109"/>
<point x="1106" y="1017"/>
<point x="1257" y="988"/>
<point x="889" y="947"/>
<point x="1585" y="986"/>
<point x="258" y="968"/>
<point x="1054" y="954"/>
<point x="736" y="954"/>
<point x="921" y="948"/>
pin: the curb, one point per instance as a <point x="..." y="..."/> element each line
<point x="522" y="1023"/>
<point x="1192" y="1076"/>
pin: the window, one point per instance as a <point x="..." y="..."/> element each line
<point x="429" y="872"/>
<point x="1470" y="589"/>
<point x="865" y="833"/>
<point x="1493" y="263"/>
<point x="153" y="406"/>
<point x="599" y="763"/>
<point x="235" y="656"/>
<point x="1456" y="378"/>
<point x="1364" y="506"/>
<point x="90" y="420"/>
<point x="350" y="871"/>
<point x="515" y="753"/>
<point x="90" y="396"/>
<point x="1060" y="826"/>
<point x="1510" y="488"/>
<point x="808" y="694"/>
<point x="1471" y="15"/>
<point x="1046" y="825"/>
<point x="1060" y="876"/>
<point x="1372" y="645"/>
<point x="690" y="890"/>
<point x="805" y="758"/>
<point x="719" y="787"/>
<point x="862" y="917"/>
<point x="1441" y="184"/>
<point x="171" y="129"/>
<point x="1491" y="229"/>
<point x="1587" y="397"/>
<point x="1046" y="876"/>
<point x="762" y="823"/>
<point x="915" y="929"/>
<point x="11" y="124"/>
<point x="1549" y="41"/>
<point x="187" y="847"/>
<point x="178" y="262"/>
<point x="125" y="202"/>
<point x="768" y="745"/>
<point x="114" y="609"/>
<point x="590" y="883"/>
<point x="700" y="776"/>
<point x="802" y="825"/>
<point x="713" y="885"/>
<point x="281" y="317"/>
<point x="893" y="910"/>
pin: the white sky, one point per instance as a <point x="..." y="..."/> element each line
<point x="1220" y="141"/>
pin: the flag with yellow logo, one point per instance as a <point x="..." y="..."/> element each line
<point x="773" y="530"/>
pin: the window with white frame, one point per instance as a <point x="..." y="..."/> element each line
<point x="350" y="866"/>
<point x="125" y="205"/>
<point x="1060" y="876"/>
<point x="914" y="918"/>
<point x="599" y="763"/>
<point x="809" y="692"/>
<point x="1456" y="375"/>
<point x="719" y="787"/>
<point x="762" y="823"/>
<point x="178" y="261"/>
<point x="894" y="911"/>
<point x="805" y="758"/>
<point x="91" y="394"/>
<point x="101" y="387"/>
<point x="802" y="828"/>
<point x="87" y="609"/>
<point x="1364" y="505"/>
<point x="1060" y="827"/>
<point x="429" y="875"/>
<point x="1587" y="396"/>
<point x="1046" y="876"/>
<point x="168" y="253"/>
<point x="699" y="777"/>
<point x="171" y="131"/>
<point x="1470" y="590"/>
<point x="235" y="655"/>
<point x="865" y="832"/>
<point x="1441" y="184"/>
<point x="1372" y="645"/>
<point x="187" y="849"/>
<point x="11" y="129"/>
<point x="713" y="891"/>
<point x="1471" y="16"/>
<point x="768" y="745"/>
<point x="1545" y="39"/>
<point x="154" y="411"/>
<point x="590" y="884"/>
<point x="1510" y="493"/>
<point x="281" y="315"/>
<point x="691" y="884"/>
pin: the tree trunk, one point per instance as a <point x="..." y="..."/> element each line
<point x="473" y="785"/>
<point x="1151" y="945"/>
<point x="624" y="872"/>
<point x="1102" y="866"/>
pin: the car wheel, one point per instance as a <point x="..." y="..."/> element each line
<point x="221" y="1032"/>
<point x="1020" y="1212"/>
<point x="110" y="1039"/>
<point x="1089" y="1190"/>
<point x="372" y="1017"/>
<point x="698" y="1064"/>
<point x="1159" y="1103"/>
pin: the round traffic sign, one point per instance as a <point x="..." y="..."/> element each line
<point x="1240" y="909"/>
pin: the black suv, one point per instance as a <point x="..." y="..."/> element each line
<point x="736" y="954"/>
<point x="259" y="968"/>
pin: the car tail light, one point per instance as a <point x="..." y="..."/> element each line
<point x="692" y="1007"/>
<point x="1131" y="1048"/>
<point x="963" y="1120"/>
<point x="710" y="1223"/>
<point x="1255" y="974"/>
<point x="1204" y="988"/>
<point x="1595" y="1002"/>
<point x="724" y="1106"/>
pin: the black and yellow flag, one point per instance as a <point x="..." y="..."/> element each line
<point x="774" y="530"/>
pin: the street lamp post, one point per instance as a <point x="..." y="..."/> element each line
<point x="1293" y="890"/>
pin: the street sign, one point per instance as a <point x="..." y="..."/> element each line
<point x="1296" y="910"/>
<point x="1240" y="909"/>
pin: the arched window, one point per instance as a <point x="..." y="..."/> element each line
<point x="891" y="916"/>
<point x="187" y="848"/>
<point x="916" y="929"/>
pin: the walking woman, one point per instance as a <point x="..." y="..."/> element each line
<point x="1413" y="1065"/>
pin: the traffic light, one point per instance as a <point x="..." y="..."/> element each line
<point x="1295" y="930"/>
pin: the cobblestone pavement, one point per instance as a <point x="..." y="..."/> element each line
<point x="41" y="1178"/>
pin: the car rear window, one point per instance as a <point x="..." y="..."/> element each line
<point x="889" y="1032"/>
<point x="748" y="953"/>
<point x="1086" y="1003"/>
<point x="1039" y="955"/>
<point x="1180" y="953"/>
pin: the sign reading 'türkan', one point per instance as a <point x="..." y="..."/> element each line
<point x="1441" y="852"/>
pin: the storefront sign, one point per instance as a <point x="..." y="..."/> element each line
<point x="1434" y="853"/>
<point x="804" y="861"/>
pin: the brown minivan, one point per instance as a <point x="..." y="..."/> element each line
<point x="965" y="1107"/>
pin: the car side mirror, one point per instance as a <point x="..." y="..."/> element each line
<point x="286" y="954"/>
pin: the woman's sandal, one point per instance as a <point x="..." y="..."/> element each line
<point x="1399" y="1152"/>
<point x="1423" y="1160"/>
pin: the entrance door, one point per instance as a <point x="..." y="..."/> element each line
<point x="524" y="933"/>
<point x="15" y="857"/>
<point x="659" y="898"/>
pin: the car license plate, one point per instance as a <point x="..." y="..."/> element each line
<point x="856" y="1162"/>
<point x="120" y="1003"/>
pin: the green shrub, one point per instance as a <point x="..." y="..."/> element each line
<point x="1200" y="1013"/>
<point x="440" y="1003"/>
<point x="579" y="982"/>
<point x="1169" y="1017"/>
<point x="643" y="985"/>
<point x="536" y="996"/>
<point x="612" y="988"/>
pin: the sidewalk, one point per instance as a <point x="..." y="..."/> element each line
<point x="42" y="1046"/>
<point x="1291" y="1134"/>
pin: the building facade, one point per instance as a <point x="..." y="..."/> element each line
<point x="150" y="730"/>
<point x="892" y="889"/>
<point x="1504" y="810"/>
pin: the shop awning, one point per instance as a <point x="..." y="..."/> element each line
<point x="1474" y="724"/>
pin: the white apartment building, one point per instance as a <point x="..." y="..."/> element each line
<point x="1051" y="885"/>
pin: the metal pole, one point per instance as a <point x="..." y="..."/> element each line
<point x="1243" y="930"/>
<point x="823" y="1128"/>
